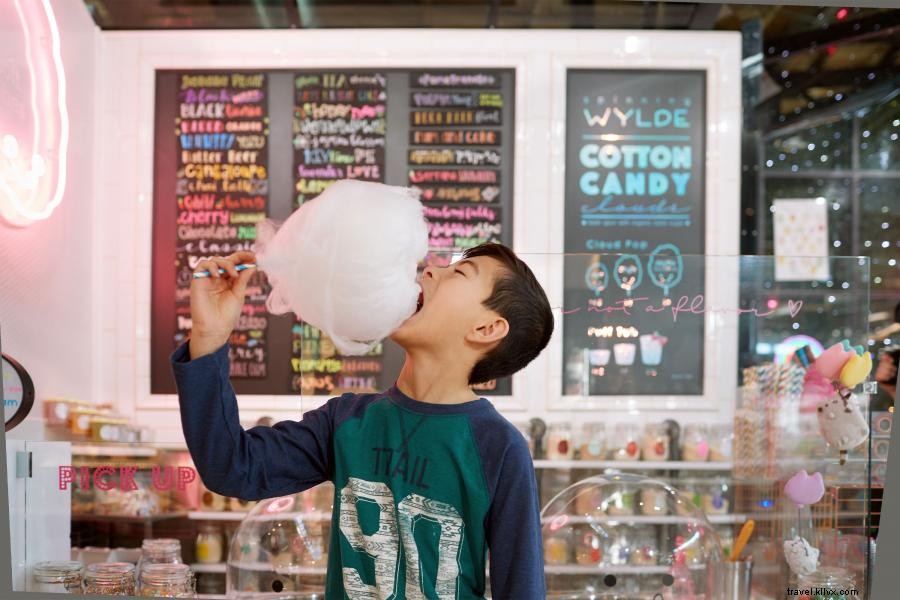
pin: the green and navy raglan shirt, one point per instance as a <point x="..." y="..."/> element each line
<point x="423" y="492"/>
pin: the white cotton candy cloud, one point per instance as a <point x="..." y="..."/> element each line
<point x="346" y="261"/>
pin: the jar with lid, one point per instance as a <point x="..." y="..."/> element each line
<point x="625" y="442"/>
<point x="588" y="547"/>
<point x="714" y="499"/>
<point x="60" y="577"/>
<point x="592" y="442"/>
<point x="621" y="502"/>
<point x="655" y="442"/>
<point x="167" y="581"/>
<point x="645" y="551"/>
<point x="158" y="551"/>
<point x="209" y="544"/>
<point x="827" y="582"/>
<point x="695" y="443"/>
<point x="80" y="420"/>
<point x="557" y="547"/>
<point x="109" y="579"/>
<point x="107" y="429"/>
<point x="559" y="442"/>
<point x="721" y="441"/>
<point x="654" y="501"/>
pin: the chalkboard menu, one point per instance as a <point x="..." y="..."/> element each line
<point x="339" y="133"/>
<point x="250" y="145"/>
<point x="221" y="192"/>
<point x="634" y="214"/>
<point x="455" y="157"/>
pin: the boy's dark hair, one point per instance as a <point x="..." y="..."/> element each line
<point x="519" y="298"/>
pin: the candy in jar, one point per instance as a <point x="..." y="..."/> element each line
<point x="167" y="581"/>
<point x="559" y="442"/>
<point x="593" y="441"/>
<point x="655" y="443"/>
<point x="62" y="577"/>
<point x="625" y="442"/>
<point x="556" y="546"/>
<point x="714" y="500"/>
<point x="209" y="544"/>
<point x="620" y="503"/>
<point x="645" y="551"/>
<point x="588" y="550"/>
<point x="653" y="501"/>
<point x="695" y="443"/>
<point x="109" y="579"/>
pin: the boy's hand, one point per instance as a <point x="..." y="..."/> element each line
<point x="216" y="301"/>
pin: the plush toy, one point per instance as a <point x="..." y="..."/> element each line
<point x="346" y="261"/>
<point x="801" y="557"/>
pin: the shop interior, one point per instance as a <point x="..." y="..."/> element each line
<point x="706" y="192"/>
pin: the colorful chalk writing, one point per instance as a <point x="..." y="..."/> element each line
<point x="221" y="193"/>
<point x="339" y="133"/>
<point x="635" y="148"/>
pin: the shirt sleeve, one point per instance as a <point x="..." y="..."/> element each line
<point x="514" y="530"/>
<point x="261" y="462"/>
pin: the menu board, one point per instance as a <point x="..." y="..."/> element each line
<point x="339" y="133"/>
<point x="253" y="145"/>
<point x="634" y="213"/>
<point x="455" y="157"/>
<point x="221" y="191"/>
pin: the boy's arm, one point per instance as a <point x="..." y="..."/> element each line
<point x="261" y="462"/>
<point x="514" y="530"/>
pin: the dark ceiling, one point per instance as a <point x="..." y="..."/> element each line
<point x="813" y="57"/>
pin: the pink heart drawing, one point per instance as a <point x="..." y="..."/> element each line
<point x="794" y="307"/>
<point x="804" y="489"/>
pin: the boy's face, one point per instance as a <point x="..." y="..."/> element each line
<point x="452" y="310"/>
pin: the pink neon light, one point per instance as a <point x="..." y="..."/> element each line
<point x="27" y="184"/>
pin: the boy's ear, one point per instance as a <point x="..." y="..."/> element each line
<point x="490" y="331"/>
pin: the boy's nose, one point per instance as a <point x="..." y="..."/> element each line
<point x="428" y="272"/>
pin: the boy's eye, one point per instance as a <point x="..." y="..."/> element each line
<point x="460" y="272"/>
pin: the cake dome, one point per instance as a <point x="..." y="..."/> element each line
<point x="618" y="537"/>
<point x="280" y="549"/>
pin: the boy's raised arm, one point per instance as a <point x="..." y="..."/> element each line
<point x="261" y="462"/>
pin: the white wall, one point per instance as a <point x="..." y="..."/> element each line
<point x="46" y="270"/>
<point x="124" y="213"/>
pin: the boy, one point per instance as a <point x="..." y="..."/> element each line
<point x="428" y="476"/>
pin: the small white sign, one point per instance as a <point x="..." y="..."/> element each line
<point x="801" y="239"/>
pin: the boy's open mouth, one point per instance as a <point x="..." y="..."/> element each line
<point x="420" y="301"/>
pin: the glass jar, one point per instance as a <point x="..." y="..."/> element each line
<point x="721" y="440"/>
<point x="212" y="501"/>
<point x="645" y="551"/>
<point x="80" y="420"/>
<point x="109" y="579"/>
<point x="825" y="581"/>
<point x="714" y="499"/>
<point x="695" y="443"/>
<point x="625" y="442"/>
<point x="158" y="551"/>
<point x="559" y="442"/>
<point x="167" y="581"/>
<point x="588" y="549"/>
<point x="209" y="544"/>
<point x="654" y="501"/>
<point x="556" y="547"/>
<point x="59" y="577"/>
<point x="621" y="503"/>
<point x="592" y="441"/>
<point x="655" y="443"/>
<point x="238" y="505"/>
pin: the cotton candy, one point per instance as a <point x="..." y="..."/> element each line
<point x="346" y="261"/>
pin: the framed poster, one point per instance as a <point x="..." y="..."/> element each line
<point x="634" y="232"/>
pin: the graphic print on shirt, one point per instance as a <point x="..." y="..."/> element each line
<point x="384" y="544"/>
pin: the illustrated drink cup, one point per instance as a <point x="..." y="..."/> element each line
<point x="624" y="354"/>
<point x="599" y="358"/>
<point x="651" y="349"/>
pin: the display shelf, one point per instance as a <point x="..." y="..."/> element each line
<point x="209" y="567"/>
<point x="285" y="570"/>
<point x="612" y="569"/>
<point x="127" y="518"/>
<point x="211" y="596"/>
<point x="313" y="515"/>
<point x="113" y="449"/>
<point x="634" y="465"/>
<point x="650" y="519"/>
<point x="216" y="515"/>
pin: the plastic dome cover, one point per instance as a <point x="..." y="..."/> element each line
<point x="629" y="537"/>
<point x="280" y="549"/>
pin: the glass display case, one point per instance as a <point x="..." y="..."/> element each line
<point x="679" y="395"/>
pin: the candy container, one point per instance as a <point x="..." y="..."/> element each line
<point x="625" y="442"/>
<point x="655" y="442"/>
<point x="592" y="441"/>
<point x="695" y="443"/>
<point x="559" y="442"/>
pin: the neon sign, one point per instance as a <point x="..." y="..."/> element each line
<point x="33" y="164"/>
